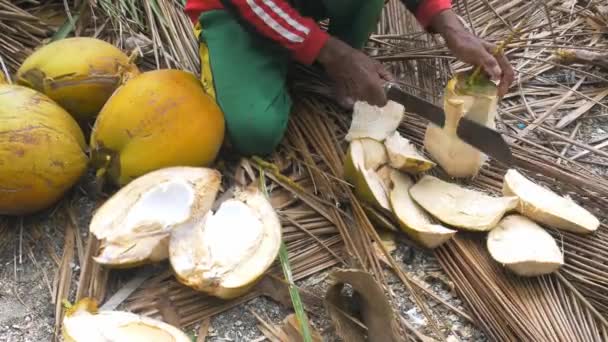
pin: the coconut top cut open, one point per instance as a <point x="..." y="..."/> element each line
<point x="84" y="323"/>
<point x="228" y="250"/>
<point x="460" y="207"/>
<point x="365" y="167"/>
<point x="477" y="102"/>
<point x="547" y="207"/>
<point x="524" y="247"/>
<point x="374" y="122"/>
<point x="403" y="155"/>
<point x="134" y="224"/>
<point x="414" y="220"/>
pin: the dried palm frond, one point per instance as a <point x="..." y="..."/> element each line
<point x="159" y="29"/>
<point x="24" y="25"/>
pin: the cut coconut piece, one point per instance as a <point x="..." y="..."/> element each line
<point x="524" y="247"/>
<point x="134" y="224"/>
<point x="374" y="122"/>
<point x="460" y="207"/>
<point x="413" y="220"/>
<point x="83" y="323"/>
<point x="225" y="253"/>
<point x="547" y="207"/>
<point x="404" y="156"/>
<point x="365" y="169"/>
<point x="475" y="102"/>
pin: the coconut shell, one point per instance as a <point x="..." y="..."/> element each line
<point x="524" y="247"/>
<point x="227" y="252"/>
<point x="363" y="167"/>
<point x="413" y="220"/>
<point x="547" y="207"/>
<point x="460" y="207"/>
<point x="135" y="223"/>
<point x="85" y="323"/>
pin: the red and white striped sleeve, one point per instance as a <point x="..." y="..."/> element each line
<point x="278" y="21"/>
<point x="425" y="10"/>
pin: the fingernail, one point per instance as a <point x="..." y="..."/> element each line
<point x="496" y="72"/>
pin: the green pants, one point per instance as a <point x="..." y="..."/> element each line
<point x="249" y="72"/>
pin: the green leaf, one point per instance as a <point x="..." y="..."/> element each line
<point x="286" y="266"/>
<point x="66" y="28"/>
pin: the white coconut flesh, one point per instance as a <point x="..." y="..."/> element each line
<point x="368" y="158"/>
<point x="412" y="218"/>
<point x="547" y="207"/>
<point x="524" y="247"/>
<point x="404" y="156"/>
<point x="228" y="249"/>
<point x="118" y="326"/>
<point x="374" y="122"/>
<point x="134" y="224"/>
<point x="460" y="207"/>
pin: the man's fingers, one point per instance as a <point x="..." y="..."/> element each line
<point x="376" y="95"/>
<point x="491" y="66"/>
<point x="507" y="75"/>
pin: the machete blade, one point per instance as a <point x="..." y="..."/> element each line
<point x="480" y="137"/>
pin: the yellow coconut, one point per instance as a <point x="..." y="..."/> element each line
<point x="158" y="119"/>
<point x="84" y="322"/>
<point x="78" y="73"/>
<point x="41" y="151"/>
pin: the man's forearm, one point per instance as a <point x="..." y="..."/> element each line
<point x="447" y="23"/>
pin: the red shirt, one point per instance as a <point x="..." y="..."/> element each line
<point x="277" y="20"/>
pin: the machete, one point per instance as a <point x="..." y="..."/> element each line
<point x="480" y="137"/>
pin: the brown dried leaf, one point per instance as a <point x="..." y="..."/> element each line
<point x="367" y="302"/>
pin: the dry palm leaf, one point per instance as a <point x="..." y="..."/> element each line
<point x="376" y="314"/>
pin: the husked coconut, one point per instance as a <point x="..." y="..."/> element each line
<point x="524" y="247"/>
<point x="460" y="207"/>
<point x="84" y="323"/>
<point x="134" y="224"/>
<point x="413" y="220"/>
<point x="476" y="102"/>
<point x="374" y="122"/>
<point x="403" y="155"/>
<point x="226" y="252"/>
<point x="364" y="169"/>
<point x="547" y="207"/>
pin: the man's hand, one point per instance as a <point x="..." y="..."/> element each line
<point x="470" y="49"/>
<point x="356" y="76"/>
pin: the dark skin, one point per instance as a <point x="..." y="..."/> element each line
<point x="356" y="76"/>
